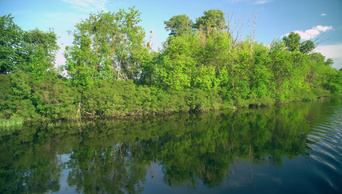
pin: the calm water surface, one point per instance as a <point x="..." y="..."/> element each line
<point x="295" y="148"/>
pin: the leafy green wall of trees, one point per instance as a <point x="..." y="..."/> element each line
<point x="112" y="70"/>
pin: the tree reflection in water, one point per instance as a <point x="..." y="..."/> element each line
<point x="114" y="156"/>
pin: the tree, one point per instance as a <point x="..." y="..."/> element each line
<point x="317" y="57"/>
<point x="179" y="25"/>
<point x="29" y="51"/>
<point x="26" y="57"/>
<point x="106" y="45"/>
<point x="292" y="41"/>
<point x="212" y="19"/>
<point x="40" y="50"/>
<point x="329" y="62"/>
<point x="307" y="46"/>
<point x="10" y="43"/>
<point x="177" y="63"/>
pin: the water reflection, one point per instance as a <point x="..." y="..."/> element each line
<point x="216" y="150"/>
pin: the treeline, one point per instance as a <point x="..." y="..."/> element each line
<point x="112" y="71"/>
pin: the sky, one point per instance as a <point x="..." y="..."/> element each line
<point x="312" y="19"/>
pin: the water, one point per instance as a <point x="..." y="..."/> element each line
<point x="295" y="148"/>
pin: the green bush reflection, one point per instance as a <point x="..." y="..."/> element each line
<point x="113" y="156"/>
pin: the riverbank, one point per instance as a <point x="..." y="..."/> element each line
<point x="125" y="100"/>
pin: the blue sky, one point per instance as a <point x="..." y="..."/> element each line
<point x="309" y="18"/>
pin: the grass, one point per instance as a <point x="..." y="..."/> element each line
<point x="12" y="123"/>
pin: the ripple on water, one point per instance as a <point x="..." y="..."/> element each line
<point x="325" y="150"/>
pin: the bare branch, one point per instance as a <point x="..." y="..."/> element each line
<point x="255" y="16"/>
<point x="319" y="39"/>
<point x="234" y="28"/>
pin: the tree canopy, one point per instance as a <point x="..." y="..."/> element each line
<point x="179" y="25"/>
<point x="212" y="19"/>
<point x="292" y="43"/>
<point x="11" y="36"/>
<point x="29" y="51"/>
<point x="106" y="45"/>
<point x="111" y="70"/>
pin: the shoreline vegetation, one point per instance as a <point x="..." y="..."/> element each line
<point x="111" y="71"/>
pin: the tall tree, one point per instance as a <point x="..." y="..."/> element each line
<point x="212" y="19"/>
<point x="106" y="45"/>
<point x="307" y="46"/>
<point x="40" y="51"/>
<point x="10" y="43"/>
<point x="29" y="51"/>
<point x="329" y="62"/>
<point x="179" y="25"/>
<point x="292" y="41"/>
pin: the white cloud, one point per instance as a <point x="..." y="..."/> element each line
<point x="262" y="1"/>
<point x="313" y="32"/>
<point x="323" y="28"/>
<point x="88" y="5"/>
<point x="323" y="14"/>
<point x="308" y="34"/>
<point x="332" y="51"/>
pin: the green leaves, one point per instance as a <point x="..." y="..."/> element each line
<point x="178" y="63"/>
<point x="56" y="100"/>
<point x="292" y="41"/>
<point x="200" y="68"/>
<point x="31" y="51"/>
<point x="107" y="45"/>
<point x="307" y="47"/>
<point x="212" y="19"/>
<point x="11" y="37"/>
<point x="179" y="25"/>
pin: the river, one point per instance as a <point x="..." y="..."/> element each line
<point x="294" y="148"/>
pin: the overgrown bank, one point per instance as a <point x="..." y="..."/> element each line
<point x="113" y="72"/>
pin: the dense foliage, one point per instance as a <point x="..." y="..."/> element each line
<point x="113" y="72"/>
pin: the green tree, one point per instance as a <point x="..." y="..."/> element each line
<point x="11" y="36"/>
<point x="6" y="106"/>
<point x="178" y="62"/>
<point x="106" y="45"/>
<point x="292" y="41"/>
<point x="317" y="57"/>
<point x="27" y="57"/>
<point x="261" y="78"/>
<point x="329" y="62"/>
<point x="41" y="48"/>
<point x="212" y="19"/>
<point x="179" y="25"/>
<point x="29" y="51"/>
<point x="21" y="101"/>
<point x="55" y="99"/>
<point x="307" y="46"/>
